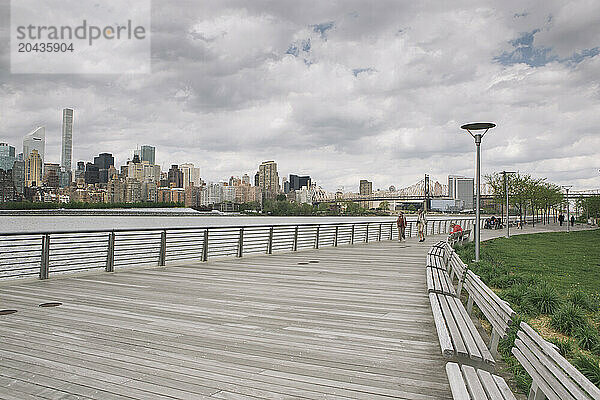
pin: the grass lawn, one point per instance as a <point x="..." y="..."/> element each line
<point x="567" y="260"/>
<point x="552" y="281"/>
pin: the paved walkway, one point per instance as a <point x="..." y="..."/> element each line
<point x="356" y="323"/>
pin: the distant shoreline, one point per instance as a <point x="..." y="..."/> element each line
<point x="140" y="212"/>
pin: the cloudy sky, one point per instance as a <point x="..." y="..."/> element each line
<point x="340" y="90"/>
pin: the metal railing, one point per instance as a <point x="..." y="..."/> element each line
<point x="48" y="253"/>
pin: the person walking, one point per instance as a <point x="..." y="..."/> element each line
<point x="572" y="220"/>
<point x="561" y="219"/>
<point x="421" y="225"/>
<point x="401" y="223"/>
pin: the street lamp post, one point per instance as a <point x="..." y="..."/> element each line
<point x="478" y="126"/>
<point x="568" y="211"/>
<point x="504" y="173"/>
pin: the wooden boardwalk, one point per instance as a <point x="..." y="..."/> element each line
<point x="356" y="325"/>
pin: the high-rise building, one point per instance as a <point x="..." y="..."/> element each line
<point x="246" y="179"/>
<point x="298" y="182"/>
<point x="67" y="139"/>
<point x="33" y="169"/>
<point x="365" y="189"/>
<point x="7" y="156"/>
<point x="147" y="153"/>
<point x="80" y="171"/>
<point x="51" y="175"/>
<point x="462" y="188"/>
<point x="7" y="186"/>
<point x="92" y="174"/>
<point x="191" y="175"/>
<point x="268" y="179"/>
<point x="35" y="140"/>
<point x="104" y="160"/>
<point x="175" y="177"/>
<point x="18" y="175"/>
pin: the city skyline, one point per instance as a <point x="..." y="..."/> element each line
<point x="340" y="92"/>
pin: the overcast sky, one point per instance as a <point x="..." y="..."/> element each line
<point x="339" y="90"/>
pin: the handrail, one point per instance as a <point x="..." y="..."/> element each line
<point x="24" y="254"/>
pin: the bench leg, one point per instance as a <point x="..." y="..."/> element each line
<point x="535" y="393"/>
<point x="494" y="344"/>
<point x="459" y="288"/>
<point x="470" y="305"/>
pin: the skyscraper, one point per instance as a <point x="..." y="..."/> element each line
<point x="462" y="188"/>
<point x="7" y="156"/>
<point x="191" y="175"/>
<point x="36" y="140"/>
<point x="268" y="179"/>
<point x="33" y="169"/>
<point x="147" y="153"/>
<point x="298" y="182"/>
<point x="67" y="139"/>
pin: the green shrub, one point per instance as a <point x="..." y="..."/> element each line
<point x="566" y="347"/>
<point x="545" y="298"/>
<point x="583" y="300"/>
<point x="568" y="319"/>
<point x="506" y="344"/>
<point x="587" y="337"/>
<point x="522" y="378"/>
<point x="589" y="367"/>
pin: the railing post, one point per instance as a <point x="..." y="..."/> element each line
<point x="205" y="246"/>
<point x="45" y="257"/>
<point x="110" y="253"/>
<point x="391" y="230"/>
<point x="317" y="237"/>
<point x="270" y="243"/>
<point x="240" y="249"/>
<point x="367" y="235"/>
<point x="379" y="234"/>
<point x="295" y="245"/>
<point x="352" y="239"/>
<point x="335" y="240"/>
<point x="162" y="255"/>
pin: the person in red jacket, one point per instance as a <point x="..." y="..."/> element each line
<point x="455" y="228"/>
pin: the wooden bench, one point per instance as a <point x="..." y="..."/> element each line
<point x="554" y="378"/>
<point x="457" y="334"/>
<point x="437" y="256"/>
<point x="468" y="383"/>
<point x="465" y="235"/>
<point x="496" y="311"/>
<point x="457" y="269"/>
<point x="438" y="281"/>
<point x="453" y="238"/>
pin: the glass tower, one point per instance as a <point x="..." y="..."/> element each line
<point x="67" y="139"/>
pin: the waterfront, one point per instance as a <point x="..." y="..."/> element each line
<point x="36" y="223"/>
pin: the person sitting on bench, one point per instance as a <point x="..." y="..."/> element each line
<point x="455" y="228"/>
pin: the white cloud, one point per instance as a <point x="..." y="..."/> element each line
<point x="225" y="95"/>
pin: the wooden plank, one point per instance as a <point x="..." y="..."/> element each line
<point x="457" y="383"/>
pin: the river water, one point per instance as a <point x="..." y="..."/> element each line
<point x="45" y="223"/>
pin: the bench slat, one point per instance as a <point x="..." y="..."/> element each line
<point x="532" y="371"/>
<point x="564" y="364"/>
<point x="440" y="326"/>
<point x="489" y="385"/>
<point x="552" y="374"/>
<point x="458" y="387"/>
<point x="482" y="352"/>
<point x="460" y="347"/>
<point x="473" y="383"/>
